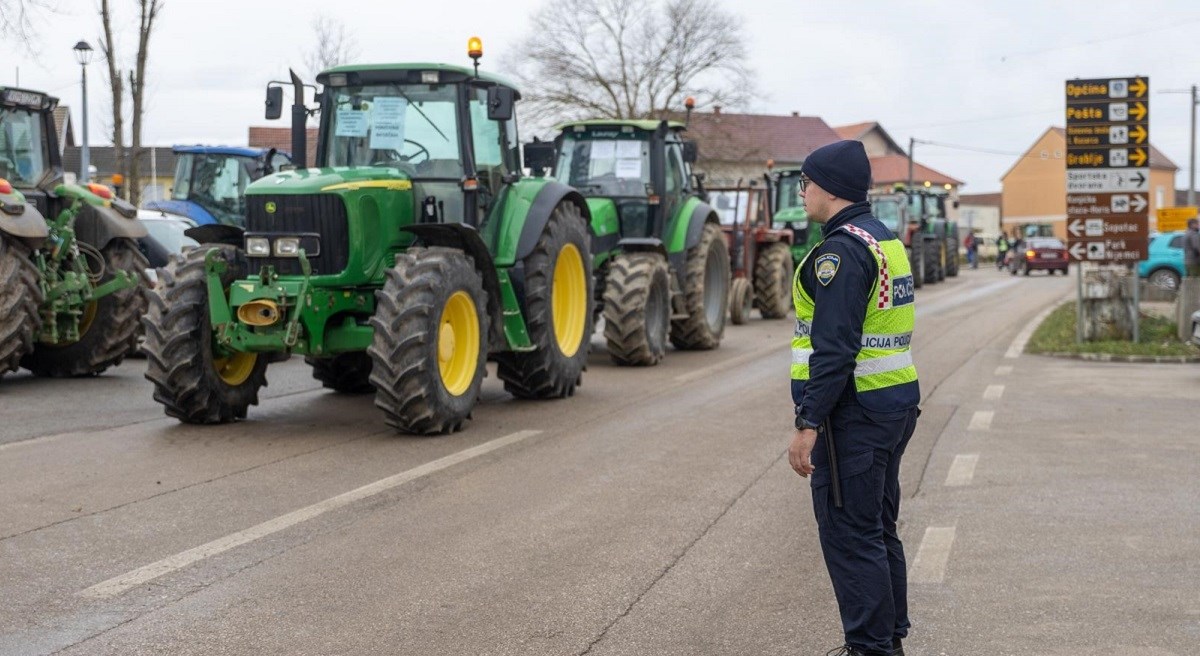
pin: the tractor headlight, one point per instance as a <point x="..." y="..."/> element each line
<point x="287" y="246"/>
<point x="258" y="246"/>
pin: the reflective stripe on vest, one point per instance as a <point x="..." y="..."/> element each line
<point x="884" y="359"/>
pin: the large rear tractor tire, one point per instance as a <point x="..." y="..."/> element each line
<point x="706" y="293"/>
<point x="346" y="373"/>
<point x="773" y="281"/>
<point x="558" y="306"/>
<point x="195" y="382"/>
<point x="637" y="309"/>
<point x="952" y="258"/>
<point x="430" y="344"/>
<point x="741" y="301"/>
<point x="110" y="326"/>
<point x="20" y="297"/>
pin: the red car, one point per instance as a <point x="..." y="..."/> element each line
<point x="1039" y="253"/>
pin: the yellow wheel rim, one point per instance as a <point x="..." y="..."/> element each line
<point x="458" y="343"/>
<point x="235" y="369"/>
<point x="569" y="300"/>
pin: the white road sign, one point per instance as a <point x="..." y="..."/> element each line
<point x="1102" y="180"/>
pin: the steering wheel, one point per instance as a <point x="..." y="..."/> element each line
<point x="405" y="159"/>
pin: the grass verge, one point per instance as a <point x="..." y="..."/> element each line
<point x="1057" y="335"/>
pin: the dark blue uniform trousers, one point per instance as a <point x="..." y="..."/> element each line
<point x="862" y="550"/>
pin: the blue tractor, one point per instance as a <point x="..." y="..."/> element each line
<point x="210" y="182"/>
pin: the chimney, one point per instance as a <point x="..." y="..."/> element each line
<point x="716" y="109"/>
<point x="796" y="114"/>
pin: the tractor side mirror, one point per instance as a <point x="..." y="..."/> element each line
<point x="500" y="102"/>
<point x="274" y="103"/>
<point x="539" y="156"/>
<point x="691" y="152"/>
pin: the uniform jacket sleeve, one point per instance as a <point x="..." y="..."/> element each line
<point x="837" y="326"/>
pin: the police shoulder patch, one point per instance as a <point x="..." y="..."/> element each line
<point x="826" y="267"/>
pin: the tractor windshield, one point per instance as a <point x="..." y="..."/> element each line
<point x="413" y="127"/>
<point x="887" y="210"/>
<point x="607" y="163"/>
<point x="215" y="182"/>
<point x="23" y="156"/>
<point x="789" y="192"/>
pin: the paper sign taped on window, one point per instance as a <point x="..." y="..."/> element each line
<point x="629" y="150"/>
<point x="604" y="149"/>
<point x="387" y="123"/>
<point x="351" y="123"/>
<point x="629" y="168"/>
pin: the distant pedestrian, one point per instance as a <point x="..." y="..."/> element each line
<point x="1002" y="250"/>
<point x="855" y="390"/>
<point x="972" y="250"/>
<point x="1191" y="248"/>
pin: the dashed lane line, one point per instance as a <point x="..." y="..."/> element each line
<point x="962" y="470"/>
<point x="993" y="392"/>
<point x="1004" y="370"/>
<point x="934" y="553"/>
<point x="119" y="584"/>
<point x="981" y="420"/>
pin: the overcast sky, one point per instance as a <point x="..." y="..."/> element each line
<point x="983" y="75"/>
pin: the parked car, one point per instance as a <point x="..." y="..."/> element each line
<point x="1164" y="268"/>
<point x="1040" y="253"/>
<point x="166" y="237"/>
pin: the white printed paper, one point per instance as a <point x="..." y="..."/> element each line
<point x="604" y="149"/>
<point x="629" y="150"/>
<point x="629" y="168"/>
<point x="351" y="123"/>
<point x="387" y="123"/>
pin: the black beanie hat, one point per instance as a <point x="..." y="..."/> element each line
<point x="840" y="168"/>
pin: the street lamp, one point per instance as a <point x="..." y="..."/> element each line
<point x="83" y="55"/>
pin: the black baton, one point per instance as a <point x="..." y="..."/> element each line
<point x="835" y="482"/>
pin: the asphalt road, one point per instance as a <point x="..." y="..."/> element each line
<point x="652" y="513"/>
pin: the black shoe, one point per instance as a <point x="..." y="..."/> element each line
<point x="845" y="650"/>
<point x="897" y="648"/>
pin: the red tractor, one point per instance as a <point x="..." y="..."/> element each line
<point x="760" y="254"/>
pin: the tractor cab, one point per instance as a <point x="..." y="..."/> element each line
<point x="788" y="211"/>
<point x="210" y="182"/>
<point x="641" y="168"/>
<point x="29" y="156"/>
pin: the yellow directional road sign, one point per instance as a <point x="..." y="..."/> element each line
<point x="1174" y="218"/>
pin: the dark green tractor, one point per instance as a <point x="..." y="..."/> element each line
<point x="662" y="265"/>
<point x="788" y="210"/>
<point x="414" y="251"/>
<point x="71" y="274"/>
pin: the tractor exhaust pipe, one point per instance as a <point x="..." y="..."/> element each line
<point x="259" y="313"/>
<point x="299" y="123"/>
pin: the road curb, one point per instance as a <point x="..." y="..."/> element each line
<point x="1131" y="359"/>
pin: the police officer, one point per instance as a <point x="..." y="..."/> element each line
<point x="856" y="393"/>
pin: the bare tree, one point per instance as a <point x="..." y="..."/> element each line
<point x="631" y="59"/>
<point x="16" y="20"/>
<point x="333" y="44"/>
<point x="148" y="12"/>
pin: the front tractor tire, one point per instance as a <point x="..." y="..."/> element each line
<point x="20" y="297"/>
<point x="741" y="301"/>
<point x="637" y="309"/>
<point x="430" y="344"/>
<point x="110" y="326"/>
<point x="773" y="272"/>
<point x="345" y="373"/>
<point x="558" y="293"/>
<point x="705" y="294"/>
<point x="194" y="381"/>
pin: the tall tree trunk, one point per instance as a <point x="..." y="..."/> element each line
<point x="117" y="87"/>
<point x="137" y="89"/>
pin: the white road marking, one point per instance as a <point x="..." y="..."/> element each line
<point x="993" y="392"/>
<point x="981" y="420"/>
<point x="962" y="470"/>
<point x="1004" y="370"/>
<point x="119" y="584"/>
<point x="930" y="564"/>
<point x="1018" y="344"/>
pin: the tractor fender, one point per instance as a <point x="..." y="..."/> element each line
<point x="25" y="223"/>
<point x="217" y="233"/>
<point x="465" y="238"/>
<point x="99" y="224"/>
<point x="548" y="198"/>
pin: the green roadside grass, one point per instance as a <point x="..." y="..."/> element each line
<point x="1057" y="335"/>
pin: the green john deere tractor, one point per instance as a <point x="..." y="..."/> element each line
<point x="788" y="209"/>
<point x="411" y="254"/>
<point x="662" y="266"/>
<point x="70" y="270"/>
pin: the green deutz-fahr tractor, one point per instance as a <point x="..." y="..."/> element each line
<point x="662" y="265"/>
<point x="413" y="253"/>
<point x="70" y="270"/>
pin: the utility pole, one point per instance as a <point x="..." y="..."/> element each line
<point x="911" y="142"/>
<point x="1192" y="165"/>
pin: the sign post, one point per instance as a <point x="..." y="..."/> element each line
<point x="1108" y="177"/>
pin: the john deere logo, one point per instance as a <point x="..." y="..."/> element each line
<point x="270" y="208"/>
